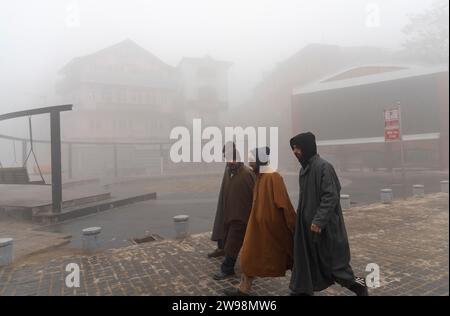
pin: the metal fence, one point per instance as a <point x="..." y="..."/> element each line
<point x="83" y="159"/>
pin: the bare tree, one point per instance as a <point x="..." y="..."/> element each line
<point x="427" y="34"/>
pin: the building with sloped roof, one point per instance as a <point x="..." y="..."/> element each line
<point x="271" y="105"/>
<point x="122" y="92"/>
<point x="125" y="93"/>
<point x="345" y="111"/>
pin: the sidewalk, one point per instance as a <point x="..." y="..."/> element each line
<point x="408" y="240"/>
<point x="28" y="241"/>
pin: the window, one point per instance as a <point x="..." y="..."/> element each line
<point x="207" y="93"/>
<point x="206" y="73"/>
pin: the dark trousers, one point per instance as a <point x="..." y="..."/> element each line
<point x="234" y="238"/>
<point x="346" y="278"/>
<point x="356" y="285"/>
<point x="227" y="266"/>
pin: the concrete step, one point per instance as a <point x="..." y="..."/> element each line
<point x="73" y="212"/>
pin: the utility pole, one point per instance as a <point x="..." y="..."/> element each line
<point x="402" y="152"/>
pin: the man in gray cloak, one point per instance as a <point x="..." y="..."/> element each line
<point x="321" y="248"/>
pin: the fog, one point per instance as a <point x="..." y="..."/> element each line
<point x="39" y="37"/>
<point x="265" y="50"/>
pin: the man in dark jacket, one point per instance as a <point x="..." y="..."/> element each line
<point x="233" y="211"/>
<point x="321" y="249"/>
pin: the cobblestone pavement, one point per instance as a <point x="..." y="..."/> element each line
<point x="28" y="241"/>
<point x="407" y="239"/>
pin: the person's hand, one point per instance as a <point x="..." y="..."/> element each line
<point x="315" y="229"/>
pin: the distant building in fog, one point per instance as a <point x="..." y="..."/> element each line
<point x="204" y="86"/>
<point x="345" y="111"/>
<point x="270" y="104"/>
<point x="124" y="93"/>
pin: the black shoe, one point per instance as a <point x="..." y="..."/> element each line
<point x="216" y="253"/>
<point x="234" y="292"/>
<point x="360" y="287"/>
<point x="222" y="276"/>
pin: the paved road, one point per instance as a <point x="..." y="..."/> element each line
<point x="138" y="219"/>
<point x="123" y="223"/>
<point x="408" y="241"/>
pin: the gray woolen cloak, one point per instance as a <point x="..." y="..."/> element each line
<point x="319" y="259"/>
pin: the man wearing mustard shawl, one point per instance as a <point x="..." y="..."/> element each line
<point x="268" y="244"/>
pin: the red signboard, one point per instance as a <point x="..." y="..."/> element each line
<point x="392" y="125"/>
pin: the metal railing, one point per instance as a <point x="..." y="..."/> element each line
<point x="83" y="159"/>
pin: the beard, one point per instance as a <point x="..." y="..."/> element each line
<point x="301" y="160"/>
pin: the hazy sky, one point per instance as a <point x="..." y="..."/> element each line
<point x="38" y="37"/>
